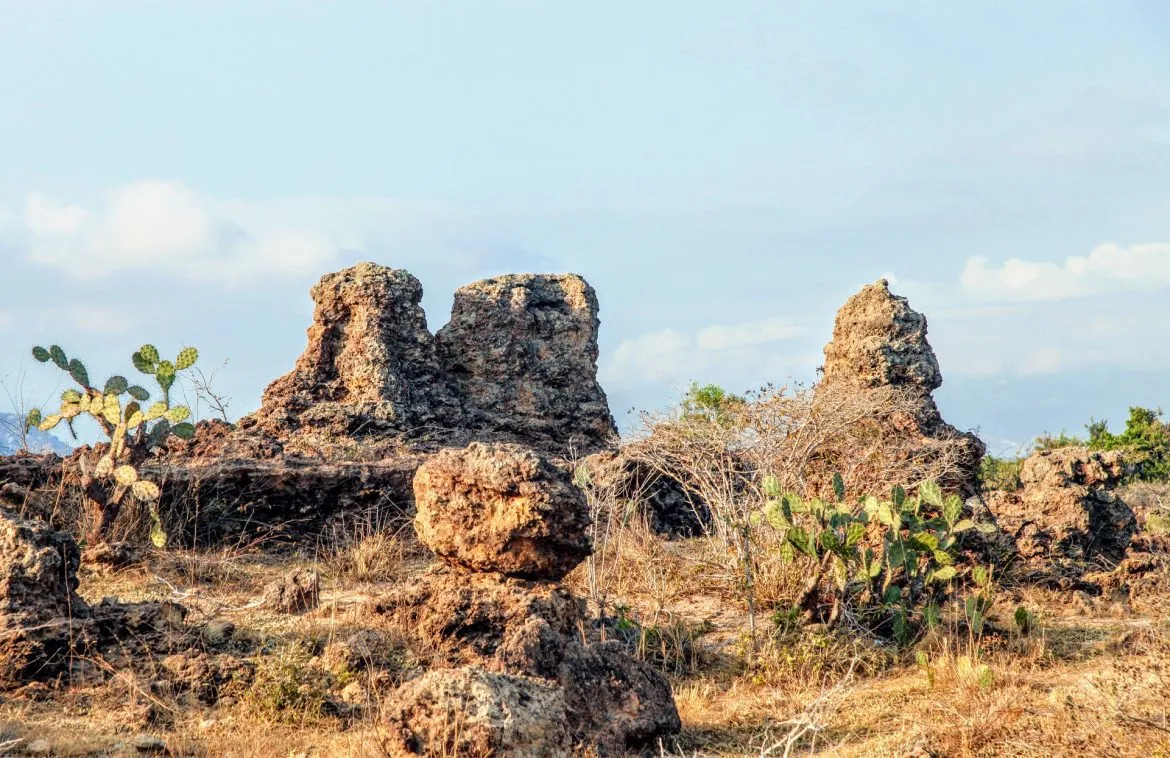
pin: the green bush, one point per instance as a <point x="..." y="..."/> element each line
<point x="1000" y="473"/>
<point x="1145" y="442"/>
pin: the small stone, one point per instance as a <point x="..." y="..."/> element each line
<point x="354" y="694"/>
<point x="148" y="743"/>
<point x="296" y="592"/>
<point x="218" y="631"/>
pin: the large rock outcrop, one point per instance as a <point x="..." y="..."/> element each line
<point x="521" y="354"/>
<point x="517" y="362"/>
<point x="370" y="364"/>
<point x="1066" y="515"/>
<point x="879" y="349"/>
<point x="470" y="613"/>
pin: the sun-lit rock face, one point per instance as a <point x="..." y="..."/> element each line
<point x="879" y="345"/>
<point x="517" y="362"/>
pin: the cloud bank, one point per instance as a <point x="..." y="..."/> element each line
<point x="1107" y="268"/>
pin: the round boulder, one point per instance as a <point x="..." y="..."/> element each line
<point x="501" y="508"/>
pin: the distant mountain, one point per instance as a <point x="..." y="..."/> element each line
<point x="38" y="441"/>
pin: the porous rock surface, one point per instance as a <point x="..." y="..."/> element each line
<point x="370" y="363"/>
<point x="501" y="508"/>
<point x="42" y="619"/>
<point x="471" y="613"/>
<point x="879" y="343"/>
<point x="520" y="352"/>
<point x="1066" y="513"/>
<point x="473" y="712"/>
<point x="516" y="362"/>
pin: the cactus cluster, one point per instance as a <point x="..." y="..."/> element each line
<point x="134" y="429"/>
<point x="896" y="580"/>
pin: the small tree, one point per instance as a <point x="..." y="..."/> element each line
<point x="1146" y="439"/>
<point x="133" y="432"/>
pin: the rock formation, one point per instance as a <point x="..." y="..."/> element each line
<point x="471" y="613"/>
<point x="516" y="362"/>
<point x="470" y="711"/>
<point x="370" y="364"/>
<point x="42" y="619"/>
<point x="521" y="354"/>
<point x="879" y="345"/>
<point x="501" y="508"/>
<point x="1066" y="514"/>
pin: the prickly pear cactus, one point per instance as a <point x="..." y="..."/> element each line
<point x="133" y="432"/>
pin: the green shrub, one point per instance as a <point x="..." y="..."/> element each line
<point x="1145" y="442"/>
<point x="1000" y="473"/>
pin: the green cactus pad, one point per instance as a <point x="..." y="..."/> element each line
<point x="144" y="490"/>
<point x="187" y="358"/>
<point x="70" y="396"/>
<point x="138" y="393"/>
<point x="59" y="357"/>
<point x="149" y="352"/>
<point x="77" y="371"/>
<point x="40" y="354"/>
<point x="183" y="431"/>
<point x="178" y="414"/>
<point x="34" y="418"/>
<point x="140" y="363"/>
<point x="116" y="385"/>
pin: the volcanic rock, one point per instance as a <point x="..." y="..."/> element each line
<point x="501" y="508"/>
<point x="470" y="711"/>
<point x="1066" y="514"/>
<point x="42" y="619"/>
<point x="521" y="353"/>
<point x="879" y="345"/>
<point x="487" y="620"/>
<point x="669" y="508"/>
<point x="370" y="364"/>
<point x="295" y="592"/>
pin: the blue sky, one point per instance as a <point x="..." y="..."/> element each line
<point x="724" y="174"/>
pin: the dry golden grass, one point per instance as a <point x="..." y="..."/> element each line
<point x="1094" y="679"/>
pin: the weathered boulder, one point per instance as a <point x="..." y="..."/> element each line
<point x="535" y="629"/>
<point x="879" y="347"/>
<point x="370" y="365"/>
<point x="488" y="620"/>
<point x="469" y="711"/>
<point x="501" y="508"/>
<point x="42" y="618"/>
<point x="621" y="476"/>
<point x="521" y="353"/>
<point x="1066" y="513"/>
<point x="517" y="362"/>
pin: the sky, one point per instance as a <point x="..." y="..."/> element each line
<point x="724" y="174"/>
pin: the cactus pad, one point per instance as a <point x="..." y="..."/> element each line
<point x="187" y="358"/>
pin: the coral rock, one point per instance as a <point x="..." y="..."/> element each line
<point x="370" y="364"/>
<point x="521" y="353"/>
<point x="470" y="711"/>
<point x="297" y="592"/>
<point x="501" y="508"/>
<point x="1066" y="512"/>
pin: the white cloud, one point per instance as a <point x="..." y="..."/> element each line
<point x="1107" y="268"/>
<point x="166" y="227"/>
<point x="669" y="355"/>
<point x="5" y="320"/>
